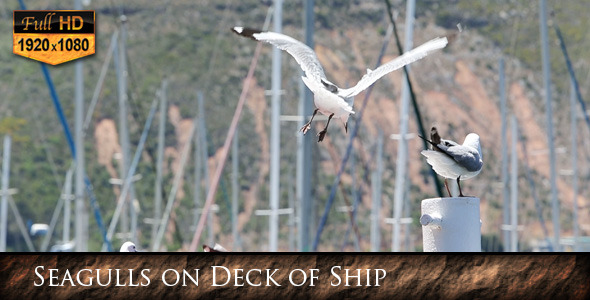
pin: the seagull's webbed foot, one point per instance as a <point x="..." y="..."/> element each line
<point x="307" y="125"/>
<point x="305" y="128"/>
<point x="322" y="133"/>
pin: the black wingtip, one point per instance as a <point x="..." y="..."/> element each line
<point x="434" y="137"/>
<point x="434" y="146"/>
<point x="245" y="32"/>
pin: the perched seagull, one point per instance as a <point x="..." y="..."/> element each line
<point x="216" y="248"/>
<point x="128" y="247"/>
<point x="329" y="99"/>
<point x="454" y="161"/>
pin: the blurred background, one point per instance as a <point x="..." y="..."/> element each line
<point x="180" y="58"/>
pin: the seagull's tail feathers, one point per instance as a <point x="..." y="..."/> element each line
<point x="438" y="158"/>
<point x="426" y="153"/>
<point x="344" y="120"/>
<point x="439" y="161"/>
<point x="350" y="101"/>
<point x="246" y="32"/>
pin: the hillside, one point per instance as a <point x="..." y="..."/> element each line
<point x="189" y="43"/>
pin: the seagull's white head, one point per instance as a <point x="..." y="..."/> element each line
<point x="128" y="247"/>
<point x="472" y="140"/>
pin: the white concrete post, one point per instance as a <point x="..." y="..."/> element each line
<point x="451" y="224"/>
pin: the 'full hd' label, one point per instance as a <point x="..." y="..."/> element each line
<point x="54" y="36"/>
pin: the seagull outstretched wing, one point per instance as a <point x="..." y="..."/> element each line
<point x="407" y="58"/>
<point x="305" y="56"/>
<point x="309" y="63"/>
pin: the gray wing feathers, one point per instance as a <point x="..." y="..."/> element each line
<point x="466" y="157"/>
<point x="350" y="101"/>
<point x="305" y="56"/>
<point x="449" y="143"/>
<point x="407" y="58"/>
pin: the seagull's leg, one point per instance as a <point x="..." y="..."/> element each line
<point x="447" y="186"/>
<point x="307" y="125"/>
<point x="322" y="133"/>
<point x="459" y="184"/>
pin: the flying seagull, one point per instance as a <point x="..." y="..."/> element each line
<point x="453" y="161"/>
<point x="329" y="99"/>
<point x="128" y="247"/>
